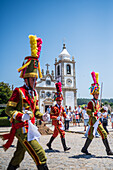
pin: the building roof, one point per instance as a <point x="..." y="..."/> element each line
<point x="64" y="55"/>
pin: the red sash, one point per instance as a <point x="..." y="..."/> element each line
<point x="10" y="136"/>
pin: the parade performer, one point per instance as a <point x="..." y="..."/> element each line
<point x="23" y="108"/>
<point x="57" y="112"/>
<point x="95" y="112"/>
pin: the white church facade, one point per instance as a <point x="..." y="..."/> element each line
<point x="65" y="73"/>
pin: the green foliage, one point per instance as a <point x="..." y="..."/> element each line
<point x="106" y="102"/>
<point x="111" y="104"/>
<point x="2" y="112"/>
<point x="4" y="122"/>
<point x="84" y="101"/>
<point x="5" y="92"/>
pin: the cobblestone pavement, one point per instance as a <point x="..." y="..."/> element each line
<point x="70" y="160"/>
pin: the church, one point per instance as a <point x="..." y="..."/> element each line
<point x="65" y="73"/>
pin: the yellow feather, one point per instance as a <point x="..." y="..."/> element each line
<point x="97" y="76"/>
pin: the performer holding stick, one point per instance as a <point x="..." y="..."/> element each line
<point x="56" y="115"/>
<point x="93" y="110"/>
<point x="23" y="108"/>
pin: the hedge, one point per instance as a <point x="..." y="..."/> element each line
<point x="4" y="122"/>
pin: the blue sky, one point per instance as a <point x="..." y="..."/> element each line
<point x="85" y="25"/>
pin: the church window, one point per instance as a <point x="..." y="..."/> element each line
<point x="58" y="70"/>
<point x="48" y="82"/>
<point x="43" y="94"/>
<point x="68" y="69"/>
<point x="53" y="94"/>
<point x="48" y="94"/>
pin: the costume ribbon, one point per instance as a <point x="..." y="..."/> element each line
<point x="10" y="136"/>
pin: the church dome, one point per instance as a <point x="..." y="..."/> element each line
<point x="64" y="55"/>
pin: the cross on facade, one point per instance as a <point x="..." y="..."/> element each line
<point x="47" y="66"/>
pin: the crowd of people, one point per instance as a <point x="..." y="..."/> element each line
<point x="79" y="115"/>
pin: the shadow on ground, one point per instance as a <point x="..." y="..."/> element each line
<point x="51" y="151"/>
<point x="89" y="156"/>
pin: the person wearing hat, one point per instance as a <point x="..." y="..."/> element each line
<point x="23" y="108"/>
<point x="57" y="112"/>
<point x="95" y="112"/>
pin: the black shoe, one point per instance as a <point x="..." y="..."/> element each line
<point x="49" y="146"/>
<point x="109" y="152"/>
<point x="11" y="167"/>
<point x="85" y="151"/>
<point x="50" y="142"/>
<point x="64" y="145"/>
<point x="86" y="145"/>
<point x="42" y="167"/>
<point x="67" y="148"/>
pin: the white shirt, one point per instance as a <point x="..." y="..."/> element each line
<point x="68" y="115"/>
<point x="104" y="114"/>
<point x="79" y="109"/>
<point x="85" y="115"/>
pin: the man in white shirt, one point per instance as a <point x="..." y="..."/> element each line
<point x="85" y="117"/>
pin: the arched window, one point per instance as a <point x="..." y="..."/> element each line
<point x="42" y="94"/>
<point x="58" y="70"/>
<point x="68" y="69"/>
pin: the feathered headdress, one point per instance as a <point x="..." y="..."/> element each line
<point x="95" y="86"/>
<point x="31" y="63"/>
<point x="58" y="94"/>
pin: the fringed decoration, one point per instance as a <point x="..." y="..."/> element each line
<point x="97" y="75"/>
<point x="33" y="43"/>
<point x="39" y="70"/>
<point x="39" y="45"/>
<point x="94" y="77"/>
<point x="24" y="66"/>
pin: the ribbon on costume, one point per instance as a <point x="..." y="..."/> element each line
<point x="96" y="124"/>
<point x="62" y="125"/>
<point x="10" y="136"/>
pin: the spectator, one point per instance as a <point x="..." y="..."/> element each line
<point x="49" y="109"/>
<point x="111" y="119"/>
<point x="65" y="108"/>
<point x="80" y="113"/>
<point x="85" y="117"/>
<point x="67" y="119"/>
<point x="74" y="116"/>
<point x="104" y="119"/>
<point x="77" y="118"/>
<point x="71" y="114"/>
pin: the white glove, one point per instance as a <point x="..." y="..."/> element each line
<point x="25" y="117"/>
<point x="58" y="118"/>
<point x="28" y="112"/>
<point x="45" y="117"/>
<point x="99" y="114"/>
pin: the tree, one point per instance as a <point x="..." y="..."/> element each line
<point x="111" y="104"/>
<point x="5" y="92"/>
<point x="106" y="103"/>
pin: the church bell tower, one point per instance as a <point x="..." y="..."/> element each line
<point x="65" y="73"/>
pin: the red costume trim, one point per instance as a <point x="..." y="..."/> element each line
<point x="10" y="136"/>
<point x="32" y="152"/>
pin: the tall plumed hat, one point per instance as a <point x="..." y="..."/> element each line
<point x="31" y="63"/>
<point x="95" y="86"/>
<point x="58" y="94"/>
